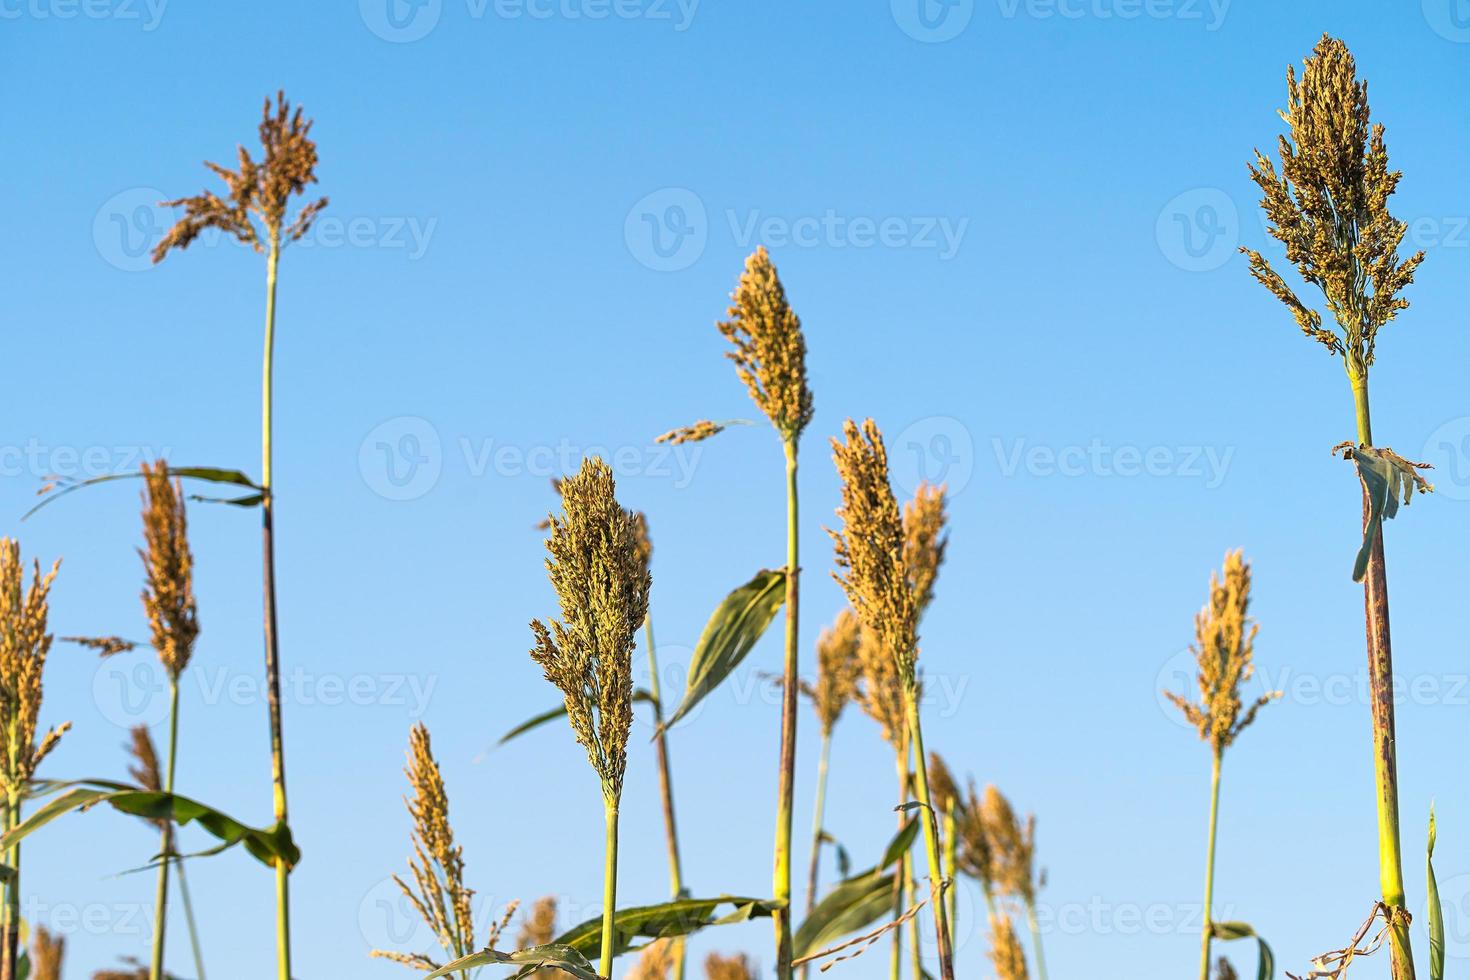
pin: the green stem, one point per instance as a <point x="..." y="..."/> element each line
<point x="786" y="790"/>
<point x="931" y="831"/>
<point x="189" y="921"/>
<point x="272" y="649"/>
<point x="1207" y="930"/>
<point x="895" y="957"/>
<point x="609" y="887"/>
<point x="160" y="906"/>
<point x="819" y="809"/>
<point x="1036" y="939"/>
<point x="666" y="790"/>
<point x="951" y="865"/>
<point x="10" y="953"/>
<point x="916" y="952"/>
<point x="1385" y="752"/>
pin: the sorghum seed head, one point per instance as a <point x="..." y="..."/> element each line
<point x="168" y="566"/>
<point x="770" y="351"/>
<point x="837" y="669"/>
<point x="24" y="644"/>
<point x="697" y="432"/>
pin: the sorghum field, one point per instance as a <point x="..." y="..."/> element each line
<point x="672" y="488"/>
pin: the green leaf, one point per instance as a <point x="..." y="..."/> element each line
<point x="560" y="711"/>
<point x="854" y="902"/>
<point x="1226" y="931"/>
<point x="677" y="918"/>
<point x="1386" y="477"/>
<point x="1436" y="910"/>
<point x="552" y="955"/>
<point x="210" y="474"/>
<point x="729" y="635"/>
<point x="267" y="846"/>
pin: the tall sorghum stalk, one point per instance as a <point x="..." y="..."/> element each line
<point x="438" y="892"/>
<point x="261" y="190"/>
<point x="770" y="357"/>
<point x="1012" y="849"/>
<point x="1224" y="643"/>
<point x="1328" y="205"/>
<point x="879" y="578"/>
<point x="835" y="686"/>
<point x="24" y="644"/>
<point x="947" y="800"/>
<point x="661" y="753"/>
<point x="602" y="584"/>
<point x="168" y="600"/>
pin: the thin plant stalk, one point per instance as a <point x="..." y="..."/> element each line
<point x="787" y="783"/>
<point x="900" y="874"/>
<point x="160" y="907"/>
<point x="1035" y="928"/>
<point x="951" y="867"/>
<point x="931" y="834"/>
<point x="1207" y="932"/>
<point x="609" y="889"/>
<point x="666" y="790"/>
<point x="818" y="816"/>
<point x="11" y="952"/>
<point x="188" y="905"/>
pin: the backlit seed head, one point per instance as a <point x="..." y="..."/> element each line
<point x="880" y="689"/>
<point x="924" y="541"/>
<point x="943" y="792"/>
<point x="144" y="771"/>
<point x="974" y="856"/>
<point x="47" y="951"/>
<point x="1223" y="970"/>
<point x="597" y="567"/>
<point x="770" y="351"/>
<point x="697" y="432"/>
<point x="168" y="566"/>
<point x="838" y="669"/>
<point x="737" y="967"/>
<point x="256" y="189"/>
<point x="539" y="928"/>
<point x="104" y="646"/>
<point x="24" y="644"/>
<point x="1223" y="652"/>
<point x="1012" y="845"/>
<point x="871" y="553"/>
<point x="1328" y="205"/>
<point x="655" y="962"/>
<point x="1006" y="954"/>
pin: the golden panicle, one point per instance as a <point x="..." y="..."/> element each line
<point x="603" y="584"/>
<point x="736" y="967"/>
<point x="1328" y="204"/>
<point x="943" y="792"/>
<point x="46" y="954"/>
<point x="1223" y="970"/>
<point x="1012" y="846"/>
<point x="168" y="566"/>
<point x="24" y="644"/>
<point x="438" y="891"/>
<point x="1223" y="648"/>
<point x="924" y="540"/>
<point x="697" y="432"/>
<point x="770" y="351"/>
<point x="655" y="962"/>
<point x="105" y="646"/>
<point x="134" y="971"/>
<point x="538" y="928"/>
<point x="974" y="856"/>
<point x="257" y="189"/>
<point x="837" y="669"/>
<point x="871" y="553"/>
<point x="645" y="543"/>
<point x="1006" y="954"/>
<point x="880" y="689"/>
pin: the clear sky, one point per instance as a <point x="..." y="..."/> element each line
<point x="1009" y="228"/>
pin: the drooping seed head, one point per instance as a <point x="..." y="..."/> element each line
<point x="257" y="189"/>
<point x="1224" y="645"/>
<point x="736" y="967"/>
<point x="838" y="669"/>
<point x="1328" y="205"/>
<point x="924" y="541"/>
<point x="103" y="646"/>
<point x="1012" y="846"/>
<point x="1006" y="954"/>
<point x="871" y="554"/>
<point x="596" y="567"/>
<point x="168" y="567"/>
<point x="770" y="351"/>
<point x="24" y="644"/>
<point x="697" y="432"/>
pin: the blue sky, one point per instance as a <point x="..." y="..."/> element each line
<point x="1009" y="228"/>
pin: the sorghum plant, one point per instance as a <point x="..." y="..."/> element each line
<point x="737" y="967"/>
<point x="1224" y="645"/>
<point x="260" y="191"/>
<point x="24" y="644"/>
<point x="1328" y="204"/>
<point x="1012" y="847"/>
<point x="1005" y="950"/>
<point x="835" y="686"/>
<point x="602" y="584"/>
<point x="876" y="571"/>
